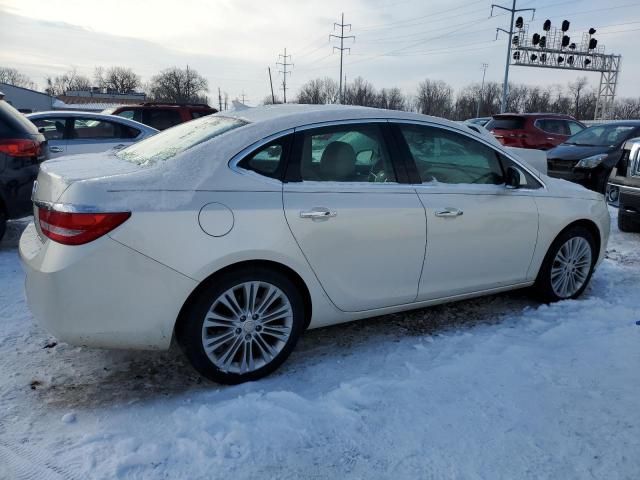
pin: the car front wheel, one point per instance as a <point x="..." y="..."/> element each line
<point x="242" y="325"/>
<point x="568" y="265"/>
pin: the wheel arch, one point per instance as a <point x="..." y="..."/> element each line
<point x="270" y="264"/>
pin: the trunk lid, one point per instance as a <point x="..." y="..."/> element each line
<point x="58" y="174"/>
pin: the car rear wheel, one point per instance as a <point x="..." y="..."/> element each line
<point x="242" y="325"/>
<point x="568" y="265"/>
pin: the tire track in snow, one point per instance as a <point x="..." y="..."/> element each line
<point x="22" y="463"/>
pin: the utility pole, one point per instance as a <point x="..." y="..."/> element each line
<point x="243" y="95"/>
<point x="342" y="48"/>
<point x="285" y="63"/>
<point x="273" y="97"/>
<point x="219" y="100"/>
<point x="484" y="72"/>
<point x="513" y="10"/>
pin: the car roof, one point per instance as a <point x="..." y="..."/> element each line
<point x="554" y="115"/>
<point x="294" y="115"/>
<point x="93" y="115"/>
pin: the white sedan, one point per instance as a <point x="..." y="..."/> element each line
<point x="235" y="232"/>
<point x="71" y="132"/>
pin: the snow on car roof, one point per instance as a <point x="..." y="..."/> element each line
<point x="292" y="115"/>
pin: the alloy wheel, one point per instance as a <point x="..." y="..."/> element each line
<point x="571" y="267"/>
<point x="247" y="327"/>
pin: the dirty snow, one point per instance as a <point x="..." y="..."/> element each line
<point x="493" y="388"/>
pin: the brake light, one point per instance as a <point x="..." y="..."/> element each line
<point x="20" y="147"/>
<point x="78" y="228"/>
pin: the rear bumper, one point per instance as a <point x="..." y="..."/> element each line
<point x="101" y="294"/>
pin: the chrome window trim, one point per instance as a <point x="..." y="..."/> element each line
<point x="479" y="139"/>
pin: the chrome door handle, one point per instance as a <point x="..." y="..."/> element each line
<point x="449" y="212"/>
<point x="318" y="213"/>
<point x="56" y="149"/>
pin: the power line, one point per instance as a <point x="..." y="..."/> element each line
<point x="341" y="48"/>
<point x="284" y="72"/>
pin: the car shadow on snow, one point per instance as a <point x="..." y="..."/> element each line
<point x="87" y="378"/>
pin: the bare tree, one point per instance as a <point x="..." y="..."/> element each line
<point x="319" y="91"/>
<point x="119" y="79"/>
<point x="576" y="89"/>
<point x="70" y="80"/>
<point x="268" y="100"/>
<point x="434" y="97"/>
<point x="360" y="92"/>
<point x="627" y="109"/>
<point x="12" y="76"/>
<point x="179" y="86"/>
<point x="392" y="99"/>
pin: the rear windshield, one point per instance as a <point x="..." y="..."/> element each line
<point x="11" y="120"/>
<point x="168" y="144"/>
<point x="505" y="123"/>
<point x="603" y="135"/>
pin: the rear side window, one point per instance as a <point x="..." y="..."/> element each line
<point x="554" y="126"/>
<point x="166" y="145"/>
<point x="505" y="123"/>
<point x="162" y="119"/>
<point x="11" y="120"/>
<point x="131" y="114"/>
<point x="269" y="159"/>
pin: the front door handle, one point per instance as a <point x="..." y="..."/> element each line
<point x="318" y="213"/>
<point x="449" y="212"/>
<point x="56" y="149"/>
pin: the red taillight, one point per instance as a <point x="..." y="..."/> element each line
<point x="20" y="147"/>
<point x="78" y="228"/>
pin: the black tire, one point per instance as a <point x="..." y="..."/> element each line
<point x="543" y="287"/>
<point x="190" y="324"/>
<point x="627" y="223"/>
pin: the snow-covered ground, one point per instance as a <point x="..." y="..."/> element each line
<point x="493" y="388"/>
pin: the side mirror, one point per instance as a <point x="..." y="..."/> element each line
<point x="41" y="130"/>
<point x="513" y="178"/>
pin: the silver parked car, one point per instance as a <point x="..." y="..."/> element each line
<point x="71" y="132"/>
<point x="235" y="232"/>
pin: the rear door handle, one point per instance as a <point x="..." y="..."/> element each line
<point x="318" y="213"/>
<point x="56" y="149"/>
<point x="449" y="212"/>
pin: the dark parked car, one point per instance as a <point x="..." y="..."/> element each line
<point x="588" y="157"/>
<point x="22" y="149"/>
<point x="626" y="179"/>
<point x="533" y="130"/>
<point x="162" y="115"/>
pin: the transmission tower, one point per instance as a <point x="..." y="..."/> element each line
<point x="513" y="10"/>
<point x="484" y="72"/>
<point x="342" y="48"/>
<point x="284" y="63"/>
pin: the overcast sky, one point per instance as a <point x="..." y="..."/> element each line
<point x="232" y="42"/>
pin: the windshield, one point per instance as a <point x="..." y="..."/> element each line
<point x="602" y="135"/>
<point x="168" y="144"/>
<point x="505" y="123"/>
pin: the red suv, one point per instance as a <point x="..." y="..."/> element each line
<point x="162" y="115"/>
<point x="533" y="130"/>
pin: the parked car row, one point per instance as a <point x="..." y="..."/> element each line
<point x="575" y="152"/>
